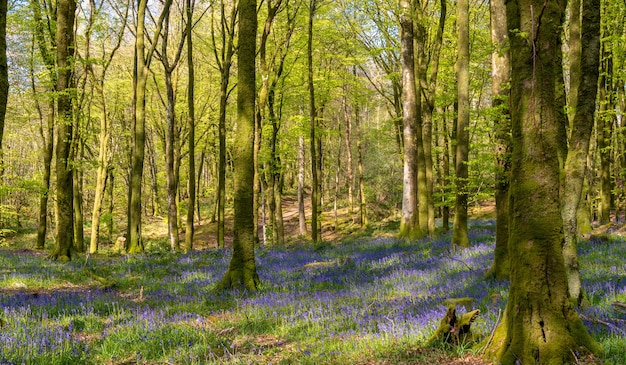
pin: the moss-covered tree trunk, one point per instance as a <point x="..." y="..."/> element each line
<point x="540" y="325"/>
<point x="242" y="269"/>
<point x="582" y="126"/>
<point x="460" y="236"/>
<point x="500" y="71"/>
<point x="409" y="224"/>
<point x="64" y="183"/>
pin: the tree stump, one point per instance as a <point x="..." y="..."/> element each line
<point x="120" y="245"/>
<point x="453" y="329"/>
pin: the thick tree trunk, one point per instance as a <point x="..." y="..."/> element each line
<point x="409" y="224"/>
<point x="64" y="182"/>
<point x="582" y="126"/>
<point x="460" y="234"/>
<point x="242" y="269"/>
<point x="540" y="325"/>
<point x="500" y="71"/>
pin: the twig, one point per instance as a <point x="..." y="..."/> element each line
<point x="599" y="321"/>
<point x="493" y="333"/>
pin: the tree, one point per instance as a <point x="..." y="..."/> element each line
<point x="191" y="124"/>
<point x="409" y="225"/>
<point x="65" y="93"/>
<point x="539" y="324"/>
<point x="242" y="268"/>
<point x="460" y="234"/>
<point x="4" y="76"/>
<point x="500" y="71"/>
<point x="224" y="59"/>
<point x="44" y="37"/>
<point x="104" y="153"/>
<point x="580" y="135"/>
<point x="314" y="139"/>
<point x="143" y="58"/>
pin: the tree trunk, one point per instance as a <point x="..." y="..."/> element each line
<point x="64" y="183"/>
<point x="191" y="139"/>
<point x="409" y="224"/>
<point x="460" y="234"/>
<point x="605" y="127"/>
<point x="315" y="190"/>
<point x="360" y="172"/>
<point x="48" y="141"/>
<point x="134" y="244"/>
<point x="224" y="60"/>
<point x="500" y="71"/>
<point x="582" y="126"/>
<point x="242" y="268"/>
<point x="4" y="76"/>
<point x="540" y="325"/>
<point x="301" y="210"/>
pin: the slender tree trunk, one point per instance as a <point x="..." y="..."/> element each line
<point x="242" y="269"/>
<point x="539" y="325"/>
<point x="191" y="139"/>
<point x="134" y="243"/>
<point x="301" y="210"/>
<point x="48" y="139"/>
<point x="109" y="221"/>
<point x="605" y="127"/>
<point x="582" y="127"/>
<point x="575" y="48"/>
<point x="79" y="230"/>
<point x="360" y="171"/>
<point x="224" y="59"/>
<point x="419" y="44"/>
<point x="349" y="162"/>
<point x="4" y="76"/>
<point x="460" y="234"/>
<point x="445" y="212"/>
<point x="315" y="190"/>
<point x="500" y="71"/>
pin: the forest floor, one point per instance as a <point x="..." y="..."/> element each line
<point x="363" y="297"/>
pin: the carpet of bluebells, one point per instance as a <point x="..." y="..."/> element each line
<point x="364" y="301"/>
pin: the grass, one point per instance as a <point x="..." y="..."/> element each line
<point x="359" y="302"/>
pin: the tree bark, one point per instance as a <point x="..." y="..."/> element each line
<point x="224" y="60"/>
<point x="460" y="235"/>
<point x="315" y="185"/>
<point x="4" y="76"/>
<point x="242" y="268"/>
<point x="500" y="71"/>
<point x="64" y="183"/>
<point x="540" y="325"/>
<point x="582" y="126"/>
<point x="409" y="224"/>
<point x="191" y="138"/>
<point x="301" y="210"/>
